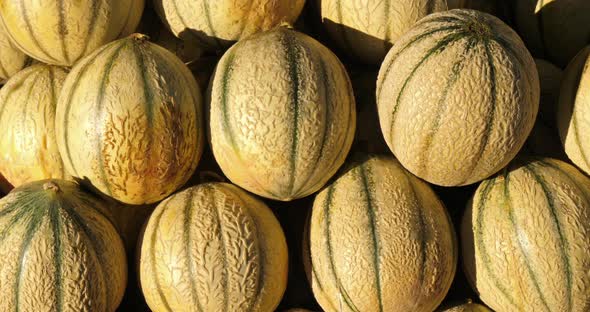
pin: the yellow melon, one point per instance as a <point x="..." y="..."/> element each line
<point x="380" y="240"/>
<point x="457" y="97"/>
<point x="28" y="144"/>
<point x="12" y="60"/>
<point x="525" y="238"/>
<point x="367" y="29"/>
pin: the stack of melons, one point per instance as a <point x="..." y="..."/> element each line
<point x="204" y="156"/>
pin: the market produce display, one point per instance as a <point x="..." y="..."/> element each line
<point x="293" y="155"/>
<point x="59" y="250"/>
<point x="27" y="111"/>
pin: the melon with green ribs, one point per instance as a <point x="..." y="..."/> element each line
<point x="457" y="97"/>
<point x="129" y="121"/>
<point x="525" y="238"/>
<point x="282" y="115"/>
<point x="59" y="251"/>
<point x="61" y="32"/>
<point x="379" y="240"/>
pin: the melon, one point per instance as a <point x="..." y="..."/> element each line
<point x="12" y="60"/>
<point x="216" y="25"/>
<point x="525" y="238"/>
<point x="499" y="8"/>
<point x="366" y="30"/>
<point x="544" y="138"/>
<point x="553" y="29"/>
<point x="28" y="145"/>
<point x="282" y="114"/>
<point x="457" y="97"/>
<point x="61" y="32"/>
<point x="129" y="121"/>
<point x="380" y="240"/>
<point x="574" y="111"/>
<point x="59" y="251"/>
<point x="225" y="248"/>
<point x="466" y="307"/>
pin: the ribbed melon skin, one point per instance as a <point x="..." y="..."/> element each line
<point x="574" y="111"/>
<point x="61" y="32"/>
<point x="226" y="248"/>
<point x="282" y="114"/>
<point x="129" y="121"/>
<point x="380" y="240"/>
<point x="525" y="238"/>
<point x="215" y="25"/>
<point x="59" y="251"/>
<point x="543" y="23"/>
<point x="28" y="144"/>
<point x="457" y="97"/>
<point x="12" y="60"/>
<point x="366" y="30"/>
<point x="466" y="307"/>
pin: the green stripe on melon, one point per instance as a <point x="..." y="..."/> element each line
<point x="380" y="240"/>
<point x="60" y="250"/>
<point x="450" y="105"/>
<point x="518" y="238"/>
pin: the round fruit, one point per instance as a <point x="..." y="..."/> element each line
<point x="367" y="31"/>
<point x="59" y="251"/>
<point x="553" y="29"/>
<point x="466" y="307"/>
<point x="215" y="25"/>
<point x="574" y="109"/>
<point x="129" y="121"/>
<point x="225" y="249"/>
<point x="282" y="115"/>
<point x="12" y="60"/>
<point x="380" y="240"/>
<point x="28" y="145"/>
<point x="525" y="238"/>
<point x="544" y="138"/>
<point x="61" y="32"/>
<point x="457" y="97"/>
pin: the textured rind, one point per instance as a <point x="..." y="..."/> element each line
<point x="213" y="247"/>
<point x="28" y="144"/>
<point x="380" y="240"/>
<point x="541" y="24"/>
<point x="215" y="25"/>
<point x="12" y="60"/>
<point x="466" y="307"/>
<point x="457" y="97"/>
<point x="61" y="32"/>
<point x="544" y="138"/>
<point x="524" y="238"/>
<point x="574" y="110"/>
<point x="282" y="114"/>
<point x="129" y="121"/>
<point x="367" y="29"/>
<point x="59" y="251"/>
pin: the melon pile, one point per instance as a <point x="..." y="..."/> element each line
<point x="320" y="155"/>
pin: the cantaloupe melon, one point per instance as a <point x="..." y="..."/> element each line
<point x="12" y="60"/>
<point x="457" y="97"/>
<point x="574" y="111"/>
<point x="544" y="138"/>
<point x="225" y="249"/>
<point x="215" y="25"/>
<point x="28" y="147"/>
<point x="366" y="30"/>
<point x="553" y="29"/>
<point x="525" y="238"/>
<point x="59" y="251"/>
<point x="465" y="307"/>
<point x="282" y="116"/>
<point x="380" y="240"/>
<point x="129" y="121"/>
<point x="61" y="32"/>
